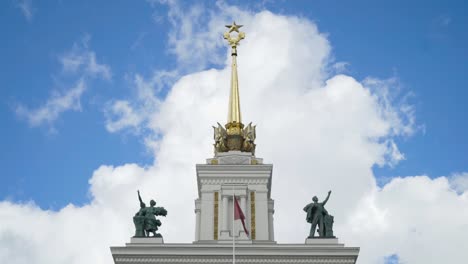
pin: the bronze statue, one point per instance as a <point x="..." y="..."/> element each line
<point x="328" y="221"/>
<point x="145" y="220"/>
<point x="249" y="138"/>
<point x="220" y="137"/>
<point x="317" y="215"/>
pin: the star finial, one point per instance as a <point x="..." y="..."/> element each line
<point x="234" y="40"/>
<point x="234" y="27"/>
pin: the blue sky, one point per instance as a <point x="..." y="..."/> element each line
<point x="422" y="43"/>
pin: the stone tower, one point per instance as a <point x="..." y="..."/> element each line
<point x="234" y="170"/>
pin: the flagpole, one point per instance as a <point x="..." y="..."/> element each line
<point x="233" y="236"/>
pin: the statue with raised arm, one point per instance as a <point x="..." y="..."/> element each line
<point x="318" y="216"/>
<point x="145" y="219"/>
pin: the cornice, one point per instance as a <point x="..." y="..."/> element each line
<point x="230" y="167"/>
<point x="245" y="174"/>
<point x="239" y="259"/>
<point x="243" y="180"/>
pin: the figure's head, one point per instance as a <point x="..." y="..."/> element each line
<point x="152" y="203"/>
<point x="315" y="199"/>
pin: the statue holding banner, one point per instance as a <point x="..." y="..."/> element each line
<point x="145" y="219"/>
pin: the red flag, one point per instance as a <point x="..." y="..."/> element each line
<point x="238" y="214"/>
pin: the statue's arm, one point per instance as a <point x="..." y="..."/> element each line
<point x="141" y="201"/>
<point x="326" y="199"/>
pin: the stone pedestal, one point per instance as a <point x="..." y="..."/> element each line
<point x="146" y="240"/>
<point x="234" y="157"/>
<point x="321" y="241"/>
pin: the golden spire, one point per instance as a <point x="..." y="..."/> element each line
<point x="235" y="137"/>
<point x="234" y="124"/>
<point x="234" y="114"/>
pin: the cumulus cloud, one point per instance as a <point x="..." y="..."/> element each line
<point x="406" y="216"/>
<point x="321" y="132"/>
<point x="80" y="62"/>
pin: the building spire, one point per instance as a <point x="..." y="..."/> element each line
<point x="235" y="137"/>
<point x="234" y="113"/>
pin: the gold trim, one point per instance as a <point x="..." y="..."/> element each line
<point x="252" y="215"/>
<point x="215" y="220"/>
<point x="214" y="162"/>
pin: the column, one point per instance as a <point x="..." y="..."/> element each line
<point x="225" y="213"/>
<point x="206" y="219"/>
<point x="271" y="211"/>
<point x="197" y="224"/>
<point x="261" y="215"/>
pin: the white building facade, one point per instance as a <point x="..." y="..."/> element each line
<point x="240" y="174"/>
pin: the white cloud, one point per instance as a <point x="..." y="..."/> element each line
<point x="406" y="217"/>
<point x="196" y="35"/>
<point x="126" y="116"/>
<point x="340" y="67"/>
<point x="122" y="114"/>
<point x="58" y="103"/>
<point x="459" y="182"/>
<point x="320" y="133"/>
<point x="26" y="8"/>
<point x="393" y="155"/>
<point x="79" y="61"/>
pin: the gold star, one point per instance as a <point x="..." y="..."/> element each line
<point x="234" y="27"/>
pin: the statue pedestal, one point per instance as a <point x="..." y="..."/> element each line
<point x="321" y="241"/>
<point x="146" y="240"/>
<point x="235" y="157"/>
